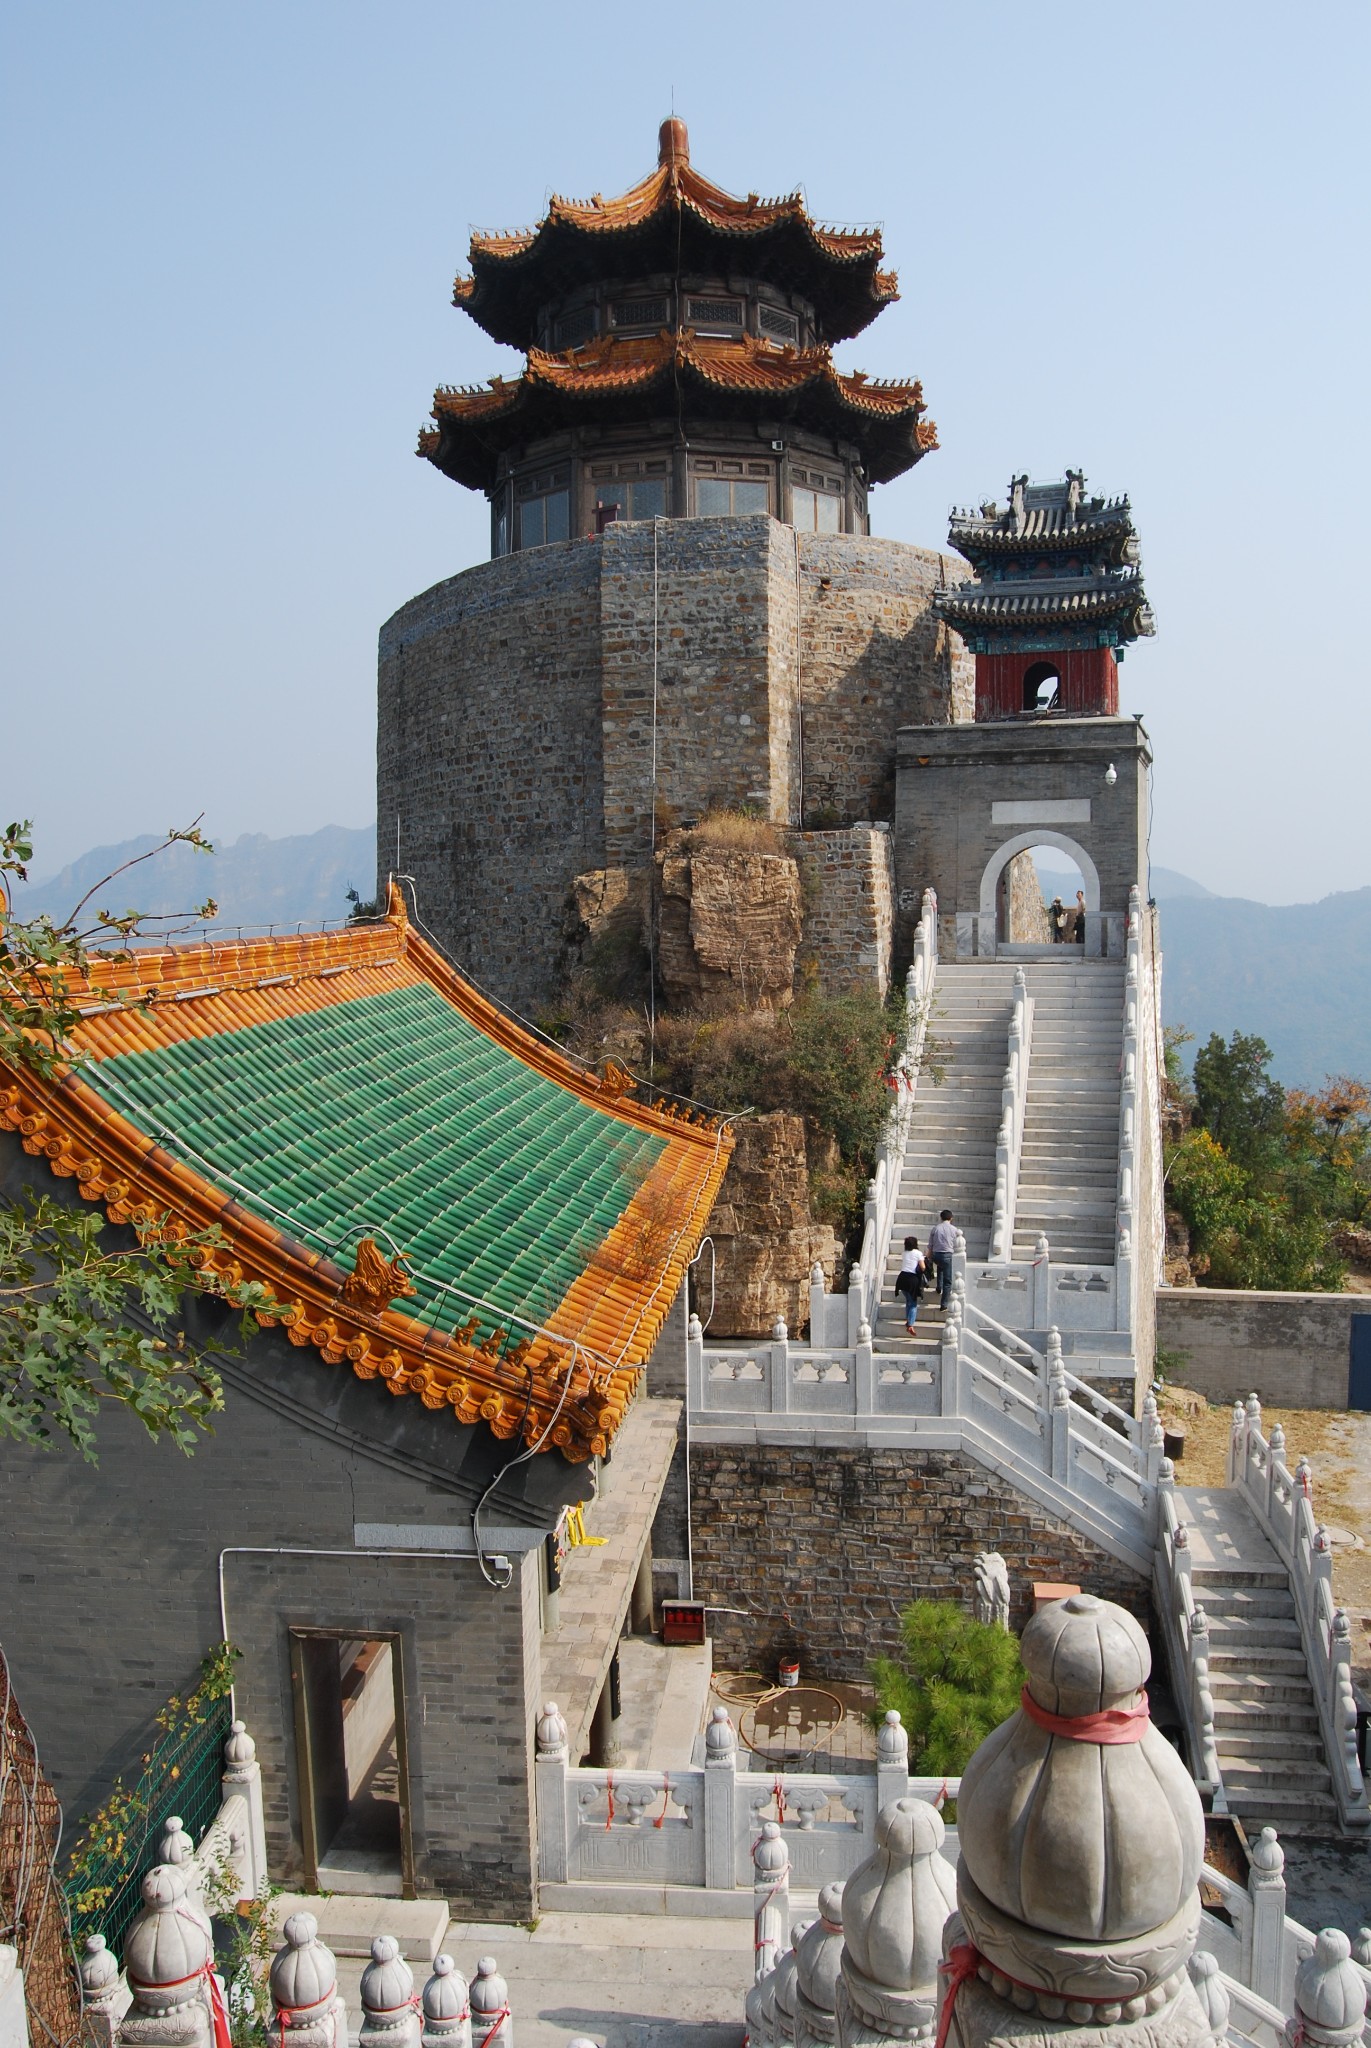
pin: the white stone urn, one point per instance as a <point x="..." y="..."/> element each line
<point x="1080" y="1857"/>
<point x="894" y="1909"/>
<point x="390" y="2017"/>
<point x="447" y="2007"/>
<point x="1330" y="1995"/>
<point x="304" y="1974"/>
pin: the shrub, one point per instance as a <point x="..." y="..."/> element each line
<point x="954" y="1680"/>
<point x="739" y="829"/>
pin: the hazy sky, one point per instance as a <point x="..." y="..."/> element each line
<point x="1130" y="238"/>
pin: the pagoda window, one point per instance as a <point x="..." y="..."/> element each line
<point x="781" y="326"/>
<point x="543" y="510"/>
<point x="714" y="314"/>
<point x="629" y="498"/>
<point x="639" y="313"/>
<point x="575" y="328"/>
<point x="1041" y="687"/>
<point x="816" y="502"/>
<point x="724" y="497"/>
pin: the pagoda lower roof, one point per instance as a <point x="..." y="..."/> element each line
<point x="429" y="1193"/>
<point x="675" y="220"/>
<point x="1029" y="605"/>
<point x="621" y="378"/>
<point x="1044" y="528"/>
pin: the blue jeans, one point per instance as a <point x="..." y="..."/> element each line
<point x="942" y="1266"/>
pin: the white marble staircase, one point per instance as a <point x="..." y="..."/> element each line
<point x="949" y="1160"/>
<point x="1266" y="1724"/>
<point x="1068" y="1176"/>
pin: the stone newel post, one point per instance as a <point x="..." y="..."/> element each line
<point x="1266" y="1889"/>
<point x="818" y="1957"/>
<point x="491" y="2024"/>
<point x="892" y="1760"/>
<point x="894" y="1910"/>
<point x="549" y="1793"/>
<point x="167" y="1962"/>
<point x="1082" y="1840"/>
<point x="307" y="2011"/>
<point x="243" y="1774"/>
<point x="99" y="1992"/>
<point x="390" y="2016"/>
<point x="721" y="1769"/>
<point x="1330" y="1996"/>
<point x="770" y="1898"/>
<point x="447" y="2007"/>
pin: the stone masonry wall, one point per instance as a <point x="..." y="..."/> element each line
<point x="1290" y="1349"/>
<point x="488" y="751"/>
<point x="822" y="1546"/>
<point x="849" y="914"/>
<point x="515" y="727"/>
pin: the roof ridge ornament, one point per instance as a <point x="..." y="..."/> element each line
<point x="673" y="143"/>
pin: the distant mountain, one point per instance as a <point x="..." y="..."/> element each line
<point x="1298" y="975"/>
<point x="255" y="881"/>
<point x="1167" y="885"/>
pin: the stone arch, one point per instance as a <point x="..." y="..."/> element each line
<point x="1039" y="835"/>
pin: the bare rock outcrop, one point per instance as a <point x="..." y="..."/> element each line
<point x="728" y="926"/>
<point x="765" y="1242"/>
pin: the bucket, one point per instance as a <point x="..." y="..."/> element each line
<point x="789" y="1673"/>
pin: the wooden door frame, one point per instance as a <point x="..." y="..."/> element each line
<point x="298" y="1634"/>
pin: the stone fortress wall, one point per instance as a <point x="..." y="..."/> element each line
<point x="515" y="737"/>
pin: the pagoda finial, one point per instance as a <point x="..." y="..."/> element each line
<point x="673" y="143"/>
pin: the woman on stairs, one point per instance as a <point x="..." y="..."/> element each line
<point x="910" y="1281"/>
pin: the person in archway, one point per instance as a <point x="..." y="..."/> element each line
<point x="942" y="1243"/>
<point x="1058" y="918"/>
<point x="1079" y="933"/>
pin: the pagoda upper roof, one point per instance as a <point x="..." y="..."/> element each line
<point x="620" y="377"/>
<point x="678" y="221"/>
<point x="1045" y="518"/>
<point x="430" y="1194"/>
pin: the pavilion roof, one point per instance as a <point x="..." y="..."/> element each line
<point x="674" y="220"/>
<point x="1072" y="601"/>
<point x="618" y="376"/>
<point x="429" y="1192"/>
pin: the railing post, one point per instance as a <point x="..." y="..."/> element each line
<point x="892" y="1761"/>
<point x="243" y="1775"/>
<point x="1266" y="1884"/>
<point x="549" y="1794"/>
<point x="1330" y="1995"/>
<point x="818" y="1308"/>
<point x="100" y="1984"/>
<point x="856" y="1303"/>
<point x="306" y="2010"/>
<point x="1042" y="1284"/>
<point x="1151" y="1438"/>
<point x="1058" y="1410"/>
<point x="446" y="2007"/>
<point x="166" y="1957"/>
<point x="1237" y="1444"/>
<point x="950" y="1391"/>
<point x="779" y="1388"/>
<point x="721" y="1770"/>
<point x="490" y="2015"/>
<point x="770" y="1900"/>
<point x="864" y="1373"/>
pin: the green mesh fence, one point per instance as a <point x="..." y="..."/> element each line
<point x="182" y="1776"/>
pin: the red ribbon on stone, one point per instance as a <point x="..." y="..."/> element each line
<point x="1115" y="1725"/>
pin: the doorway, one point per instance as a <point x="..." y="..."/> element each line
<point x="352" y="1761"/>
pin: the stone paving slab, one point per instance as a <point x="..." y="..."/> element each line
<point x="627" y="1981"/>
<point x="1224" y="1533"/>
<point x="348" y="1924"/>
<point x="597" y="1579"/>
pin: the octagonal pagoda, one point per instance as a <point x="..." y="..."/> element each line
<point x="677" y="364"/>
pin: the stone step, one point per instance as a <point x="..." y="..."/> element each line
<point x="1228" y="1652"/>
<point x="1254" y="1603"/>
<point x="1251" y="1634"/>
<point x="1282" y="1690"/>
<point x="1258" y="1580"/>
<point x="1301" y="1747"/>
<point x="1232" y="1717"/>
<point x="1248" y="1775"/>
<point x="1293" y="1811"/>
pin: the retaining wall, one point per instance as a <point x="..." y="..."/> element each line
<point x="1292" y="1349"/>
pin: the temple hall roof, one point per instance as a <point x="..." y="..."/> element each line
<point x="674" y="220"/>
<point x="430" y="1193"/>
<point x="620" y="377"/>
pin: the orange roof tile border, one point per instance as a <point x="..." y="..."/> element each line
<point x="600" y="1333"/>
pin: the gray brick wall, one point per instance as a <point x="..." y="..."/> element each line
<point x="515" y="728"/>
<point x="823" y="1546"/>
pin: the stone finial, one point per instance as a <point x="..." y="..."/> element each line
<point x="894" y="1909"/>
<point x="1330" y="1995"/>
<point x="992" y="1588"/>
<point x="1277" y="1441"/>
<point x="176" y="1845"/>
<point x="818" y="1958"/>
<point x="816" y="1274"/>
<point x="779" y="1332"/>
<point x="303" y="1981"/>
<point x="770" y="1898"/>
<point x="1304" y="1478"/>
<point x="390" y="2017"/>
<point x="721" y="1742"/>
<point x="863" y="1331"/>
<point x="1266" y="1855"/>
<point x="168" y="1950"/>
<point x="779" y="1989"/>
<point x="1207" y="1979"/>
<point x="1253" y="1411"/>
<point x="240" y="1750"/>
<point x="490" y="2005"/>
<point x="1081" y="1856"/>
<point x="695" y="1329"/>
<point x="1361" y="1947"/>
<point x="892" y="1743"/>
<point x="550" y="1731"/>
<point x="446" y="2007"/>
<point x="99" y="1974"/>
<point x="770" y="1856"/>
